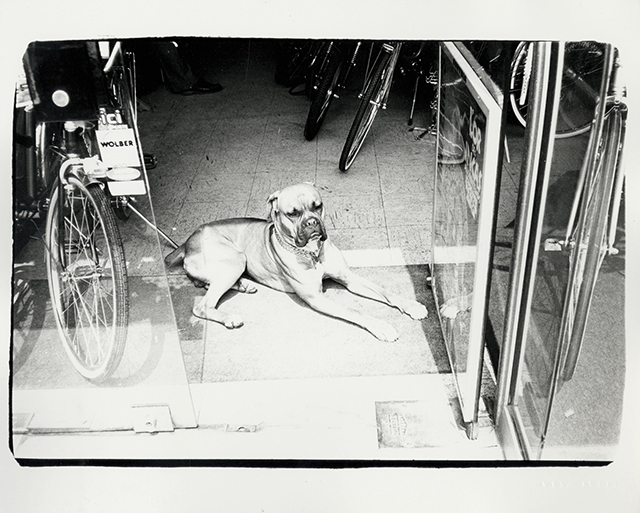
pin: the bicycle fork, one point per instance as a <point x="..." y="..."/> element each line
<point x="351" y="64"/>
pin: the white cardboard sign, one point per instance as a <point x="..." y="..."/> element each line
<point x="118" y="147"/>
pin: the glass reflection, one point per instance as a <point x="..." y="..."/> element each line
<point x="49" y="391"/>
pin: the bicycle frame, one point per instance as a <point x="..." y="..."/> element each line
<point x="604" y="108"/>
<point x="123" y="62"/>
<point x="591" y="239"/>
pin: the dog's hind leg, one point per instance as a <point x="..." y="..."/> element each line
<point x="220" y="275"/>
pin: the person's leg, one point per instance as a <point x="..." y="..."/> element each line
<point x="177" y="73"/>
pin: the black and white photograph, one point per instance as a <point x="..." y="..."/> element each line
<point x="373" y="258"/>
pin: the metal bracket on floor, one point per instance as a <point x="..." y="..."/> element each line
<point x="152" y="419"/>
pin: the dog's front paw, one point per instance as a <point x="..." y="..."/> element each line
<point x="416" y="310"/>
<point x="382" y="331"/>
<point x="450" y="309"/>
<point x="232" y="321"/>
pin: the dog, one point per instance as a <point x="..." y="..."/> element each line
<point x="290" y="252"/>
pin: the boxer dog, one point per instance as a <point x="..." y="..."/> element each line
<point x="289" y="252"/>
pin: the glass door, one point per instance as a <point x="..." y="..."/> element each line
<point x="89" y="275"/>
<point x="468" y="145"/>
<point x="551" y="279"/>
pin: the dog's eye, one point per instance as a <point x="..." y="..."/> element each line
<point x="293" y="213"/>
<point x="317" y="207"/>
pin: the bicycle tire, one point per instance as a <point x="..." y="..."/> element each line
<point x="87" y="278"/>
<point x="590" y="248"/>
<point x="328" y="79"/>
<point x="583" y="68"/>
<point x="369" y="106"/>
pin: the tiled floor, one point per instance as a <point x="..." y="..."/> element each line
<point x="222" y="155"/>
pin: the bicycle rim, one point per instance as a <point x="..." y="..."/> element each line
<point x="369" y="106"/>
<point x="87" y="279"/>
<point x="518" y="88"/>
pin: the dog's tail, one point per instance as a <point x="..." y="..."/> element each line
<point x="175" y="257"/>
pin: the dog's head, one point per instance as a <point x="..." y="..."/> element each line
<point x="298" y="213"/>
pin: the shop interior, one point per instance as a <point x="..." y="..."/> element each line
<point x="292" y="383"/>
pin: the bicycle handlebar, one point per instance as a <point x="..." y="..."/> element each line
<point x="117" y="50"/>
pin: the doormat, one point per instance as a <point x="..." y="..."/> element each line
<point x="283" y="338"/>
<point x="414" y="424"/>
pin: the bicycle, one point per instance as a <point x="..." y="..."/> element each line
<point x="373" y="98"/>
<point x="89" y="162"/>
<point x="375" y="95"/>
<point x="592" y="225"/>
<point x="582" y="73"/>
<point x="295" y="64"/>
<point x="328" y="77"/>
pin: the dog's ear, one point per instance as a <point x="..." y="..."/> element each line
<point x="272" y="202"/>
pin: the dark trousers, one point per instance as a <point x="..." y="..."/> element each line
<point x="153" y="56"/>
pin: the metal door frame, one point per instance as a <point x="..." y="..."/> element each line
<point x="489" y="99"/>
<point x="536" y="166"/>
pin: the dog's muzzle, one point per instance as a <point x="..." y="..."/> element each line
<point x="310" y="227"/>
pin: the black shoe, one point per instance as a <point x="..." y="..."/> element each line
<point x="202" y="87"/>
<point x="150" y="161"/>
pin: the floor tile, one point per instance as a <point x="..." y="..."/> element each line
<point x="372" y="237"/>
<point x="348" y="212"/>
<point x="266" y="184"/>
<point x="407" y="209"/>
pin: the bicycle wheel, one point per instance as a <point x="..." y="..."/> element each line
<point x="87" y="278"/>
<point x="327" y="80"/>
<point x="293" y="69"/>
<point x="590" y="247"/>
<point x="582" y="73"/>
<point x="374" y="94"/>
